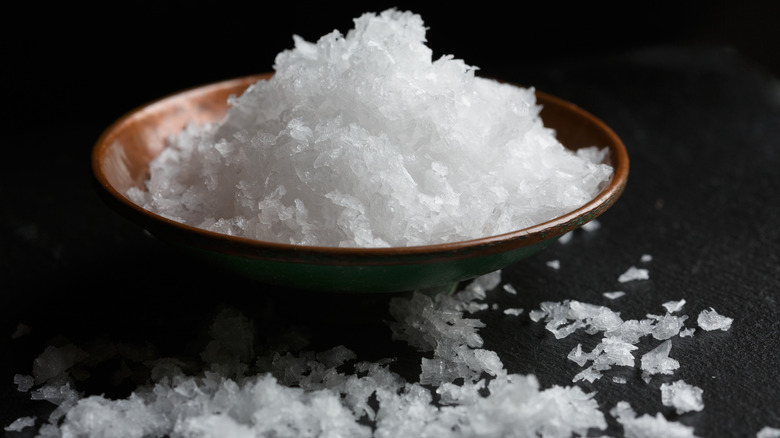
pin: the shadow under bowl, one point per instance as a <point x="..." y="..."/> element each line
<point x="121" y="157"/>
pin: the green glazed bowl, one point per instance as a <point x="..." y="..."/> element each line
<point x="121" y="156"/>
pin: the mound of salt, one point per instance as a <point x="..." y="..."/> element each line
<point x="364" y="140"/>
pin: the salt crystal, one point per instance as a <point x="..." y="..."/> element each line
<point x="614" y="295"/>
<point x="23" y="382"/>
<point x="634" y="273"/>
<point x="618" y="379"/>
<point x="667" y="326"/>
<point x="646" y="426"/>
<point x="646" y="258"/>
<point x="362" y="139"/>
<point x="657" y="361"/>
<point x="514" y="312"/>
<point x="591" y="226"/>
<point x="510" y="289"/>
<point x="768" y="432"/>
<point x="682" y="396"/>
<point x="555" y="264"/>
<point x="566" y="238"/>
<point x="20" y="424"/>
<point x="674" y="306"/>
<point x="712" y="320"/>
<point x="687" y="332"/>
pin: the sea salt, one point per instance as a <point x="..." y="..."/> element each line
<point x="554" y="264"/>
<point x="682" y="396"/>
<point x="509" y="289"/>
<point x="646" y="426"/>
<point x="513" y="311"/>
<point x="614" y="295"/>
<point x="768" y="432"/>
<point x="364" y="140"/>
<point x="20" y="424"/>
<point x="673" y="306"/>
<point x="634" y="273"/>
<point x="712" y="320"/>
<point x="657" y="361"/>
<point x="591" y="226"/>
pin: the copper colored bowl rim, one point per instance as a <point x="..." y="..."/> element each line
<point x="248" y="247"/>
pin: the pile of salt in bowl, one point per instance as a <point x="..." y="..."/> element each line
<point x="364" y="140"/>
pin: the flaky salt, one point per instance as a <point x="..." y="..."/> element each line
<point x="364" y="140"/>
<point x="683" y="397"/>
<point x="634" y="273"/>
<point x="712" y="320"/>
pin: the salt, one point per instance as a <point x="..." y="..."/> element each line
<point x="657" y="361"/>
<point x="712" y="320"/>
<point x="20" y="424"/>
<point x="634" y="273"/>
<point x="363" y="140"/>
<point x="614" y="295"/>
<point x="682" y="396"/>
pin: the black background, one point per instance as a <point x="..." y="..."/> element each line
<point x="691" y="88"/>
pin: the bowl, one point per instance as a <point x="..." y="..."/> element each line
<point x="121" y="156"/>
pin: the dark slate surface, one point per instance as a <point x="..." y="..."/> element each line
<point x="702" y="128"/>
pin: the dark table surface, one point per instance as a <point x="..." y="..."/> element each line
<point x="702" y="129"/>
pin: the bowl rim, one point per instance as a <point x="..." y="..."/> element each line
<point x="245" y="246"/>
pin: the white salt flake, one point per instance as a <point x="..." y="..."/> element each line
<point x="20" y="424"/>
<point x="646" y="258"/>
<point x="513" y="311"/>
<point x="614" y="295"/>
<point x="554" y="264"/>
<point x="647" y="426"/>
<point x="566" y="238"/>
<point x="768" y="432"/>
<point x="634" y="273"/>
<point x="712" y="320"/>
<point x="619" y="380"/>
<point x="510" y="289"/>
<point x="657" y="361"/>
<point x="682" y="396"/>
<point x="23" y="382"/>
<point x="592" y="225"/>
<point x="673" y="306"/>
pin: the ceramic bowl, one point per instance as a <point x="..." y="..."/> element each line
<point x="121" y="156"/>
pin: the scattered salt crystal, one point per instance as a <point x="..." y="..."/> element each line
<point x="566" y="238"/>
<point x="20" y="424"/>
<point x="618" y="379"/>
<point x="682" y="396"/>
<point x="614" y="295"/>
<point x="667" y="326"/>
<point x="712" y="320"/>
<point x="555" y="264"/>
<point x="674" y="306"/>
<point x="648" y="426"/>
<point x="657" y="361"/>
<point x="768" y="432"/>
<point x="513" y="311"/>
<point x="687" y="332"/>
<point x="646" y="258"/>
<point x="362" y="139"/>
<point x="23" y="382"/>
<point x="634" y="273"/>
<point x="591" y="226"/>
<point x="510" y="289"/>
